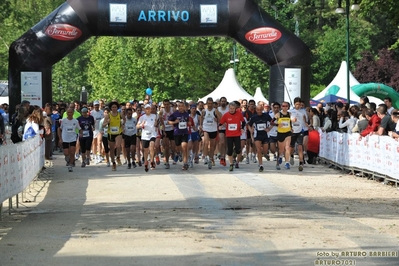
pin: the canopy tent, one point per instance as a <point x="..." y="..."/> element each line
<point x="338" y="86"/>
<point x="229" y="88"/>
<point x="331" y="98"/>
<point x="258" y="96"/>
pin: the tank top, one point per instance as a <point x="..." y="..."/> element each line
<point x="165" y="118"/>
<point x="209" y="124"/>
<point x="114" y="124"/>
<point x="284" y="123"/>
<point x="195" y="120"/>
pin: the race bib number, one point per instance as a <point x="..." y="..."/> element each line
<point x="296" y="124"/>
<point x="86" y="133"/>
<point x="285" y="124"/>
<point x="148" y="133"/>
<point x="69" y="129"/>
<point x="209" y="121"/>
<point x="130" y="128"/>
<point x="260" y="127"/>
<point x="182" y="125"/>
<point x="232" y="127"/>
<point x="114" y="129"/>
<point x="168" y="127"/>
<point x="98" y="118"/>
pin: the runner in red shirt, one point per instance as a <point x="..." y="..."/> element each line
<point x="235" y="124"/>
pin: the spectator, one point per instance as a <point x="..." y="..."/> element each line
<point x="387" y="101"/>
<point x="313" y="145"/>
<point x="395" y="118"/>
<point x="33" y="123"/>
<point x="347" y="120"/>
<point x="386" y="122"/>
<point x="2" y="130"/>
<point x="18" y="125"/>
<point x="361" y="123"/>
<point x="315" y="118"/>
<point x="327" y="127"/>
<point x="374" y="123"/>
<point x="364" y="102"/>
<point x="48" y="134"/>
<point x="322" y="114"/>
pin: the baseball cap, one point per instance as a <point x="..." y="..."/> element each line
<point x="84" y="110"/>
<point x="147" y="106"/>
<point x="96" y="103"/>
<point x="339" y="104"/>
<point x="193" y="106"/>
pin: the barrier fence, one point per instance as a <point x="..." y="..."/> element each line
<point x="19" y="164"/>
<point x="374" y="154"/>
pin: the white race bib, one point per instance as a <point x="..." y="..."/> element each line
<point x="182" y="125"/>
<point x="209" y="120"/>
<point x="232" y="127"/>
<point x="86" y="133"/>
<point x="261" y="127"/>
<point x="285" y="124"/>
<point x="69" y="129"/>
<point x="168" y="127"/>
<point x="114" y="129"/>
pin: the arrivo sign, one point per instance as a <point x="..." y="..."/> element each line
<point x="263" y="35"/>
<point x="63" y="32"/>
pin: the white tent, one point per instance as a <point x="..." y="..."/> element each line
<point x="229" y="88"/>
<point x="338" y="86"/>
<point x="258" y="96"/>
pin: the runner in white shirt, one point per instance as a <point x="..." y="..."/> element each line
<point x="168" y="140"/>
<point x="130" y="137"/>
<point x="97" y="114"/>
<point x="67" y="136"/>
<point x="149" y="124"/>
<point x="223" y="108"/>
<point x="298" y="118"/>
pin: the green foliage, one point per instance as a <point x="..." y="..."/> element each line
<point x="189" y="68"/>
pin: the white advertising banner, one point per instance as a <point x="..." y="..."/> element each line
<point x="19" y="164"/>
<point x="292" y="81"/>
<point x="374" y="153"/>
<point x="31" y="87"/>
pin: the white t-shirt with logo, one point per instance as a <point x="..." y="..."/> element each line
<point x="149" y="130"/>
<point x="130" y="127"/>
<point x="68" y="129"/>
<point x="299" y="124"/>
<point x="97" y="115"/>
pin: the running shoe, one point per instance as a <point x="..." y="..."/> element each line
<point x="287" y="166"/>
<point x="140" y="164"/>
<point x="70" y="169"/>
<point x="278" y="167"/>
<point x="67" y="160"/>
<point x="157" y="160"/>
<point x="267" y="156"/>
<point x="206" y="161"/>
<point x="146" y="167"/>
<point x="191" y="164"/>
<point x="292" y="160"/>
<point x="113" y="166"/>
<point x="261" y="168"/>
<point x="247" y="160"/>
<point x="280" y="160"/>
<point x="175" y="159"/>
<point x="275" y="158"/>
<point x="231" y="168"/>
<point x="167" y="166"/>
<point x="83" y="164"/>
<point x="118" y="160"/>
<point x="180" y="158"/>
<point x="129" y="166"/>
<point x="196" y="160"/>
<point x="209" y="165"/>
<point x="255" y="161"/>
<point x="237" y="166"/>
<point x="152" y="165"/>
<point x="300" y="168"/>
<point x="134" y="164"/>
<point x="87" y="161"/>
<point x="108" y="164"/>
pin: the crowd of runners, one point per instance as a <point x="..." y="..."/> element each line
<point x="149" y="134"/>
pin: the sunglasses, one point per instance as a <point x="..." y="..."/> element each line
<point x="284" y="106"/>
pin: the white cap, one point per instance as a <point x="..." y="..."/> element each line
<point x="147" y="106"/>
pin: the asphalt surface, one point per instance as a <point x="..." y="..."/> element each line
<point x="95" y="216"/>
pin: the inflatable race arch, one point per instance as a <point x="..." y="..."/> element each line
<point x="32" y="55"/>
